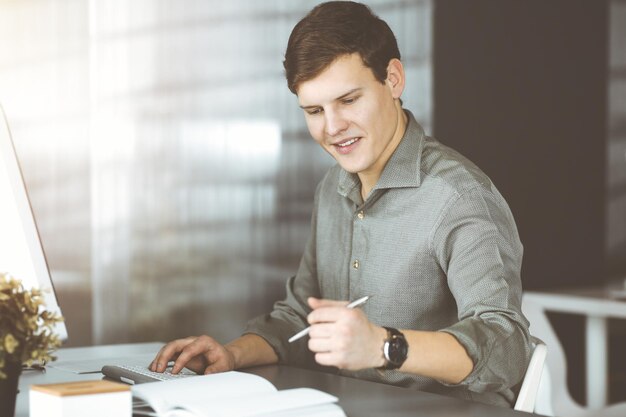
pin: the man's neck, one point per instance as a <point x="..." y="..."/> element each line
<point x="371" y="177"/>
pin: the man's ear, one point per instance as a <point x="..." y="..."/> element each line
<point x="395" y="77"/>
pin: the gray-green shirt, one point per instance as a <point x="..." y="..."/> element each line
<point x="436" y="245"/>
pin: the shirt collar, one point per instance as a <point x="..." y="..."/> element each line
<point x="402" y="169"/>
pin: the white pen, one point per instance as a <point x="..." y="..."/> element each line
<point x="306" y="331"/>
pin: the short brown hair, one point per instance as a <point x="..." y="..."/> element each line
<point x="334" y="29"/>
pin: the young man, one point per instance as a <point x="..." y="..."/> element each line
<point x="401" y="218"/>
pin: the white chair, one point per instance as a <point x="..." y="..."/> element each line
<point x="553" y="397"/>
<point x="530" y="386"/>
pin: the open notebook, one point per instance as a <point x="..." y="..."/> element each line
<point x="232" y="394"/>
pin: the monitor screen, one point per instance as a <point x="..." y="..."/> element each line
<point x="21" y="253"/>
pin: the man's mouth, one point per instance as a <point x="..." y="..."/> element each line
<point x="348" y="142"/>
<point x="347" y="145"/>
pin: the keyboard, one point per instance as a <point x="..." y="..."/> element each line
<point x="134" y="374"/>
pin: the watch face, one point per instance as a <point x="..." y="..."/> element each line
<point x="398" y="349"/>
<point x="395" y="349"/>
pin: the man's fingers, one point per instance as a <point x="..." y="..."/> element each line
<point x="196" y="353"/>
<point x="325" y="311"/>
<point x="190" y="351"/>
<point x="331" y="314"/>
<point x="321" y="345"/>
<point x="154" y="365"/>
<point x="167" y="353"/>
<point x="215" y="368"/>
<point x="321" y="302"/>
<point x="321" y="330"/>
<point x="327" y="359"/>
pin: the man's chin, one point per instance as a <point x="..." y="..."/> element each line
<point x="351" y="168"/>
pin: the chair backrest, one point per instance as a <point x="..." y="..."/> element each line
<point x="553" y="395"/>
<point x="530" y="386"/>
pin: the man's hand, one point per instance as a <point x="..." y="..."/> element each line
<point x="344" y="337"/>
<point x="201" y="354"/>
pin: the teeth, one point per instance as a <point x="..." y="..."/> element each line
<point x="350" y="142"/>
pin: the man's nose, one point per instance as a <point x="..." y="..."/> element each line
<point x="335" y="123"/>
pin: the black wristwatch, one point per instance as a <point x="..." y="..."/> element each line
<point x="395" y="349"/>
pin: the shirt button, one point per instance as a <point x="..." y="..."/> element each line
<point x="355" y="264"/>
<point x="361" y="214"/>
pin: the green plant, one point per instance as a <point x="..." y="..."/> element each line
<point x="26" y="327"/>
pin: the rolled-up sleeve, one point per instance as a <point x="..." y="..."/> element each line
<point x="478" y="247"/>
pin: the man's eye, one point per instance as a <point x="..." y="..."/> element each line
<point x="349" y="100"/>
<point x="314" y="111"/>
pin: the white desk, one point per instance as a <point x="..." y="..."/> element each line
<point x="356" y="397"/>
<point x="598" y="306"/>
<point x="70" y="355"/>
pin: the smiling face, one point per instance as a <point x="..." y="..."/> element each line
<point x="357" y="119"/>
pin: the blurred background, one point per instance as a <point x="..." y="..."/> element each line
<point x="172" y="175"/>
<point x="169" y="167"/>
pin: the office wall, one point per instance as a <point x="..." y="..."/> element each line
<point x="530" y="100"/>
<point x="535" y="93"/>
<point x="169" y="167"/>
<point x="525" y="98"/>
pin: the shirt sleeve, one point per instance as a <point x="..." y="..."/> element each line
<point x="478" y="247"/>
<point x="289" y="315"/>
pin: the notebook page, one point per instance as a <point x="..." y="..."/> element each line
<point x="162" y="396"/>
<point x="324" y="410"/>
<point x="300" y="400"/>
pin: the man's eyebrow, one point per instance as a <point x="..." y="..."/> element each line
<point x="354" y="90"/>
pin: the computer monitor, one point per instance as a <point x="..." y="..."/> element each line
<point x="21" y="253"/>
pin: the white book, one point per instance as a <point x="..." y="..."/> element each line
<point x="233" y="394"/>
